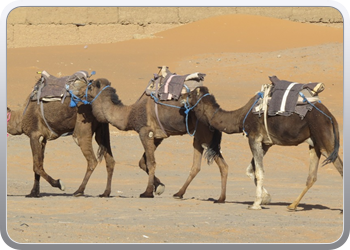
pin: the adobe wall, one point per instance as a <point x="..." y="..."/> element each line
<point x="48" y="26"/>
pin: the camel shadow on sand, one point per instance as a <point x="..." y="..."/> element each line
<point x="301" y="206"/>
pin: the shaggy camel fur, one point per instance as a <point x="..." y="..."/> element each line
<point x="62" y="119"/>
<point x="141" y="118"/>
<point x="315" y="129"/>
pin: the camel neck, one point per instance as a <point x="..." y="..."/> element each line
<point x="229" y="122"/>
<point x="114" y="113"/>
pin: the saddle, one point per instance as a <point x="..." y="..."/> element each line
<point x="51" y="88"/>
<point x="169" y="86"/>
<point x="285" y="97"/>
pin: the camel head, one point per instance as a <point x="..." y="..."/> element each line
<point x="201" y="101"/>
<point x="103" y="98"/>
<point x="14" y="122"/>
<point x="96" y="87"/>
<point x="78" y="88"/>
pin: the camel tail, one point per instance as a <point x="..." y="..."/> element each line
<point x="334" y="155"/>
<point x="105" y="140"/>
<point x="214" y="147"/>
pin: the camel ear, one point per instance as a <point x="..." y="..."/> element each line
<point x="8" y="110"/>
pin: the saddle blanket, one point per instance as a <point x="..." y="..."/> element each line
<point x="284" y="98"/>
<point x="170" y="86"/>
<point x="51" y="88"/>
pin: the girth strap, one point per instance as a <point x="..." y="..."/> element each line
<point x="156" y="111"/>
<point x="43" y="115"/>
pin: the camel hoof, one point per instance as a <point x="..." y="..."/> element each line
<point x="219" y="201"/>
<point x="77" y="194"/>
<point x="160" y="189"/>
<point x="144" y="195"/>
<point x="61" y="185"/>
<point x="32" y="195"/>
<point x="291" y="208"/>
<point x="178" y="196"/>
<point x="266" y="199"/>
<point x="254" y="207"/>
<point x="104" y="195"/>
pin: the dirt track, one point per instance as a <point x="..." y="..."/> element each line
<point x="237" y="60"/>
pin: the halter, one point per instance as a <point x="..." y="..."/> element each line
<point x="75" y="99"/>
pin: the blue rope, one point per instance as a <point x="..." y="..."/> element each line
<point x="186" y="107"/>
<point x="306" y="100"/>
<point x="75" y="99"/>
<point x="107" y="86"/>
<point x="259" y="95"/>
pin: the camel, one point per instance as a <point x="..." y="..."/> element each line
<point x="315" y="129"/>
<point x="62" y="119"/>
<point x="141" y="117"/>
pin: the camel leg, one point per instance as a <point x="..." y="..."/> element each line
<point x="338" y="164"/>
<point x="312" y="177"/>
<point x="258" y="154"/>
<point x="250" y="172"/>
<point x="38" y="144"/>
<point x="149" y="144"/>
<point x="196" y="167"/>
<point x="219" y="159"/>
<point x="159" y="187"/>
<point x="85" y="144"/>
<point x="103" y="140"/>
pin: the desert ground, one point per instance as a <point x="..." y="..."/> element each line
<point x="237" y="53"/>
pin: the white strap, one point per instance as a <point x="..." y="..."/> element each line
<point x="284" y="99"/>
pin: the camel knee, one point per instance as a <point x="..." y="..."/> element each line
<point x="194" y="171"/>
<point x="92" y="164"/>
<point x="311" y="180"/>
<point x="110" y="163"/>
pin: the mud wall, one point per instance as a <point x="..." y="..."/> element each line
<point x="48" y="26"/>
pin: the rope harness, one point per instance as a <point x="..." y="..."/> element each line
<point x="186" y="109"/>
<point x="75" y="100"/>
<point x="306" y="100"/>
